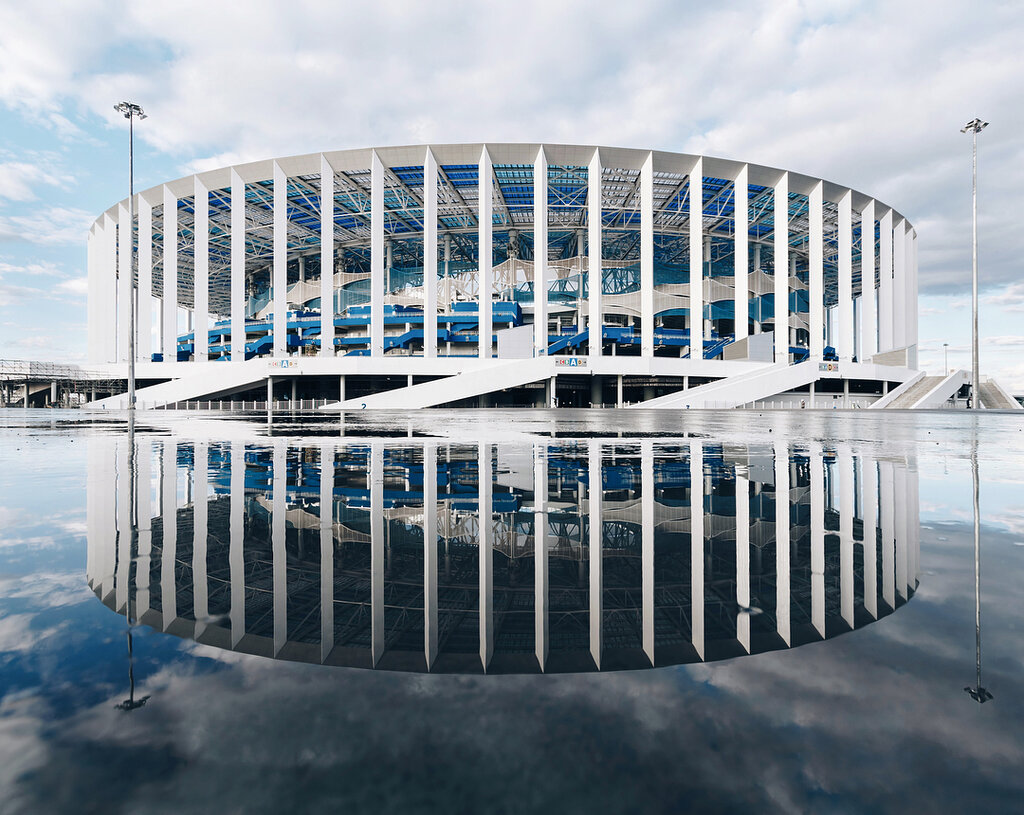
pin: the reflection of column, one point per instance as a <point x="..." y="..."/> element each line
<point x="697" y="546"/>
<point x="885" y="504"/>
<point x="817" y="491"/>
<point x="376" y="552"/>
<point x="743" y="559"/>
<point x="326" y="551"/>
<point x="899" y="493"/>
<point x="914" y="539"/>
<point x="144" y="514"/>
<point x="647" y="544"/>
<point x="200" y="588"/>
<point x="782" y="527"/>
<point x="595" y="495"/>
<point x="845" y="466"/>
<point x="870" y="504"/>
<point x="236" y="553"/>
<point x="485" y="543"/>
<point x="540" y="554"/>
<point x="278" y="538"/>
<point x="430" y="553"/>
<point x="168" y="555"/>
<point x="124" y="526"/>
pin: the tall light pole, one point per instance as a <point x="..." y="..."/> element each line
<point x="945" y="359"/>
<point x="131" y="112"/>
<point x="974" y="127"/>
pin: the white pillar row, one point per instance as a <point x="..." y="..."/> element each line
<point x="278" y="537"/>
<point x="868" y="309"/>
<point x="595" y="500"/>
<point x="429" y="254"/>
<point x="376" y="256"/>
<point x="485" y="542"/>
<point x="741" y="260"/>
<point x="170" y="303"/>
<point x="899" y="284"/>
<point x="540" y="254"/>
<point x="781" y="271"/>
<point x="200" y="528"/>
<point x="124" y="280"/>
<point x="743" y="559"/>
<point x="816" y="281"/>
<point x="844" y="463"/>
<point x="237" y="267"/>
<point x="697" y="260"/>
<point x="647" y="544"/>
<point x="817" y="496"/>
<point x="647" y="257"/>
<point x="201" y="277"/>
<point x="885" y="293"/>
<point x="280" y="268"/>
<point x="144" y="346"/>
<point x="870" y="505"/>
<point x="697" y="547"/>
<point x="430" y="633"/>
<point x="845" y="345"/>
<point x="376" y="474"/>
<point x="326" y="257"/>
<point x="326" y="550"/>
<point x="782" y="543"/>
<point x="540" y="554"/>
<point x="594" y="250"/>
<point x="485" y="226"/>
<point x="236" y="543"/>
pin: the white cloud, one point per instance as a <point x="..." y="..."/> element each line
<point x="53" y="225"/>
<point x="20" y="180"/>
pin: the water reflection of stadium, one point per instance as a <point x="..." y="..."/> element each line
<point x="373" y="554"/>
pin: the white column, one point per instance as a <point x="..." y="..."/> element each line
<point x="910" y="263"/>
<point x="486" y="255"/>
<point x="782" y="542"/>
<point x="817" y="495"/>
<point x="885" y="292"/>
<point x="697" y="546"/>
<point x="697" y="260"/>
<point x="844" y="464"/>
<point x="168" y="552"/>
<point x="124" y="280"/>
<point x="899" y="284"/>
<point x="741" y="263"/>
<point x="486" y="544"/>
<point x="430" y="542"/>
<point x="236" y="544"/>
<point x="845" y="340"/>
<point x="595" y="498"/>
<point x="200" y="529"/>
<point x="144" y="346"/>
<point x="781" y="258"/>
<point x="902" y="528"/>
<point x="868" y="310"/>
<point x="816" y="284"/>
<point x="279" y="555"/>
<point x="429" y="254"/>
<point x="280" y="269"/>
<point x="237" y="267"/>
<point x="743" y="559"/>
<point x="376" y="552"/>
<point x="885" y="506"/>
<point x="540" y="554"/>
<point x="596" y="276"/>
<point x="647" y="544"/>
<point x="110" y="283"/>
<point x="376" y="256"/>
<point x="92" y="303"/>
<point x="201" y="276"/>
<point x="647" y="257"/>
<point x="540" y="254"/>
<point x="170" y="302"/>
<point x="326" y="257"/>
<point x="870" y="504"/>
<point x="326" y="550"/>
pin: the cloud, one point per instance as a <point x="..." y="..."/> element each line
<point x="19" y="181"/>
<point x="52" y="225"/>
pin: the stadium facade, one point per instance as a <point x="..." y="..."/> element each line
<point x="807" y="289"/>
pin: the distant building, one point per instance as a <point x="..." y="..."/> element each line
<point x="818" y="306"/>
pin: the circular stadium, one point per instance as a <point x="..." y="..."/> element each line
<point x="367" y="278"/>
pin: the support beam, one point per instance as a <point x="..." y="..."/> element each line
<point x="540" y="254"/>
<point x="237" y="296"/>
<point x="326" y="257"/>
<point x="170" y="270"/>
<point x="376" y="256"/>
<point x="144" y="321"/>
<point x="868" y="306"/>
<point x="845" y="340"/>
<point x="485" y="254"/>
<point x="280" y="268"/>
<point x="781" y="270"/>
<point x="696" y="260"/>
<point x="647" y="257"/>
<point x="816" y="283"/>
<point x="429" y="255"/>
<point x="201" y="272"/>
<point x="741" y="259"/>
<point x="595" y="320"/>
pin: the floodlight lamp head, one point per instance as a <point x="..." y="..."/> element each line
<point x="130" y="109"/>
<point x="974" y="126"/>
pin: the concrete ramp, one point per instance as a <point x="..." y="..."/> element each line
<point x="466" y="385"/>
<point x="213" y="380"/>
<point x="907" y="393"/>
<point x="995" y="397"/>
<point x="739" y="390"/>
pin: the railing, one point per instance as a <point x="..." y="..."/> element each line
<point x="278" y="406"/>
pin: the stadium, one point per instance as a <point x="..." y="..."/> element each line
<point x="464" y="275"/>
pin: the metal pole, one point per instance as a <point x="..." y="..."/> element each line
<point x="975" y="378"/>
<point x="131" y="262"/>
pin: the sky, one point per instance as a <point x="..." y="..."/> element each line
<point x="866" y="94"/>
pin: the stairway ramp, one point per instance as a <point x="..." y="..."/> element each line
<point x="898" y="393"/>
<point x="733" y="391"/>
<point x="995" y="397"/>
<point x="942" y="390"/>
<point x="214" y="380"/>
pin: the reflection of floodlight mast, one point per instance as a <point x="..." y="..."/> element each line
<point x="974" y="127"/>
<point x="977" y="693"/>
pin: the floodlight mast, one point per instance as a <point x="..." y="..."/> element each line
<point x="974" y="127"/>
<point x="131" y="111"/>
